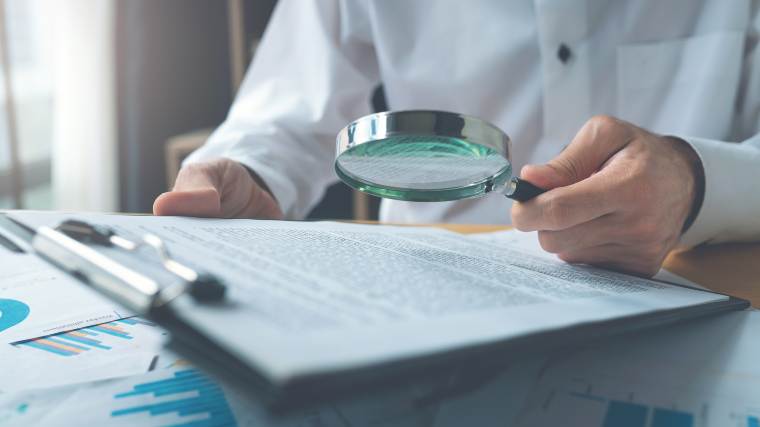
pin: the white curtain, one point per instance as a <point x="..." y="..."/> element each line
<point x="84" y="151"/>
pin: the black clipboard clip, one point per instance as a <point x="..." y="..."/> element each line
<point x="70" y="245"/>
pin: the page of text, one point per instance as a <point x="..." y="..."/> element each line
<point x="300" y="290"/>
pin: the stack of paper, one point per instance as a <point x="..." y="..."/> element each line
<point x="408" y="291"/>
<point x="702" y="374"/>
<point x="298" y="291"/>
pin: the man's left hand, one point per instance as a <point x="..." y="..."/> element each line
<point x="619" y="197"/>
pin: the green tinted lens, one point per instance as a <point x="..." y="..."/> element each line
<point x="422" y="168"/>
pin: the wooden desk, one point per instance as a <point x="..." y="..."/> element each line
<point x="731" y="268"/>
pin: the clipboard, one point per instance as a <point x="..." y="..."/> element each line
<point x="140" y="289"/>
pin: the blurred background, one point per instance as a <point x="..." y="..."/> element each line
<point x="102" y="99"/>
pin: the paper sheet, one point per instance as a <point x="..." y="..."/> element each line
<point x="120" y="402"/>
<point x="183" y="396"/>
<point x="704" y="373"/>
<point x="528" y="242"/>
<point x="496" y="403"/>
<point x="119" y="348"/>
<point x="37" y="299"/>
<point x="300" y="291"/>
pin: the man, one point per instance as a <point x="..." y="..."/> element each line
<point x="622" y="109"/>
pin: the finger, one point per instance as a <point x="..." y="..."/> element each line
<point x="598" y="139"/>
<point x="565" y="207"/>
<point x="196" y="192"/>
<point x="600" y="231"/>
<point x="204" y="202"/>
<point x="200" y="176"/>
<point x="638" y="260"/>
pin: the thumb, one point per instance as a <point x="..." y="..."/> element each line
<point x="599" y="139"/>
<point x="204" y="202"/>
<point x="549" y="175"/>
<point x="196" y="193"/>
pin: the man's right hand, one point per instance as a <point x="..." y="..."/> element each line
<point x="220" y="188"/>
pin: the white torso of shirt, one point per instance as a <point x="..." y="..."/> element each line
<point x="673" y="67"/>
<point x="667" y="66"/>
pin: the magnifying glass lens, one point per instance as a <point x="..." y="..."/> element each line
<point x="423" y="168"/>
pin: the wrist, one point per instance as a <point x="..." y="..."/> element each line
<point x="260" y="182"/>
<point x="696" y="173"/>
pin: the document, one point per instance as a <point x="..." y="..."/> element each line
<point x="160" y="398"/>
<point x="704" y="373"/>
<point x="182" y="396"/>
<point x="119" y="348"/>
<point x="527" y="242"/>
<point x="37" y="299"/>
<point x="497" y="402"/>
<point x="306" y="297"/>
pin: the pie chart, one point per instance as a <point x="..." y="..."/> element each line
<point x="12" y="312"/>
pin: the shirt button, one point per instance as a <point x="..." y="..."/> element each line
<point x="564" y="53"/>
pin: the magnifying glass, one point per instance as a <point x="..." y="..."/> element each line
<point x="428" y="156"/>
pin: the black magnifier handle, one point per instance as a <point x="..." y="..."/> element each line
<point x="521" y="190"/>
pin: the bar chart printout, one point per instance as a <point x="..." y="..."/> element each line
<point x="624" y="414"/>
<point x="186" y="398"/>
<point x="96" y="337"/>
<point x="571" y="407"/>
<point x="618" y="413"/>
<point x="585" y="408"/>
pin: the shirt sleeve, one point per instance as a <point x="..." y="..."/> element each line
<point x="313" y="73"/>
<point x="731" y="206"/>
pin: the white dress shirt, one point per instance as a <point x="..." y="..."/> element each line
<point x="689" y="68"/>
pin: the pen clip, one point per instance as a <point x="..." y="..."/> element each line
<point x="129" y="287"/>
<point x="203" y="287"/>
<point x="66" y="246"/>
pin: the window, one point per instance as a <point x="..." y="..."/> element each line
<point x="28" y="27"/>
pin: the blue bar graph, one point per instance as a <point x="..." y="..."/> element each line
<point x="135" y="321"/>
<point x="753" y="421"/>
<point x="628" y="414"/>
<point x="208" y="400"/>
<point x="625" y="414"/>
<point x="671" y="418"/>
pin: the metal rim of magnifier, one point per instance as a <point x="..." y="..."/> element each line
<point x="379" y="126"/>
